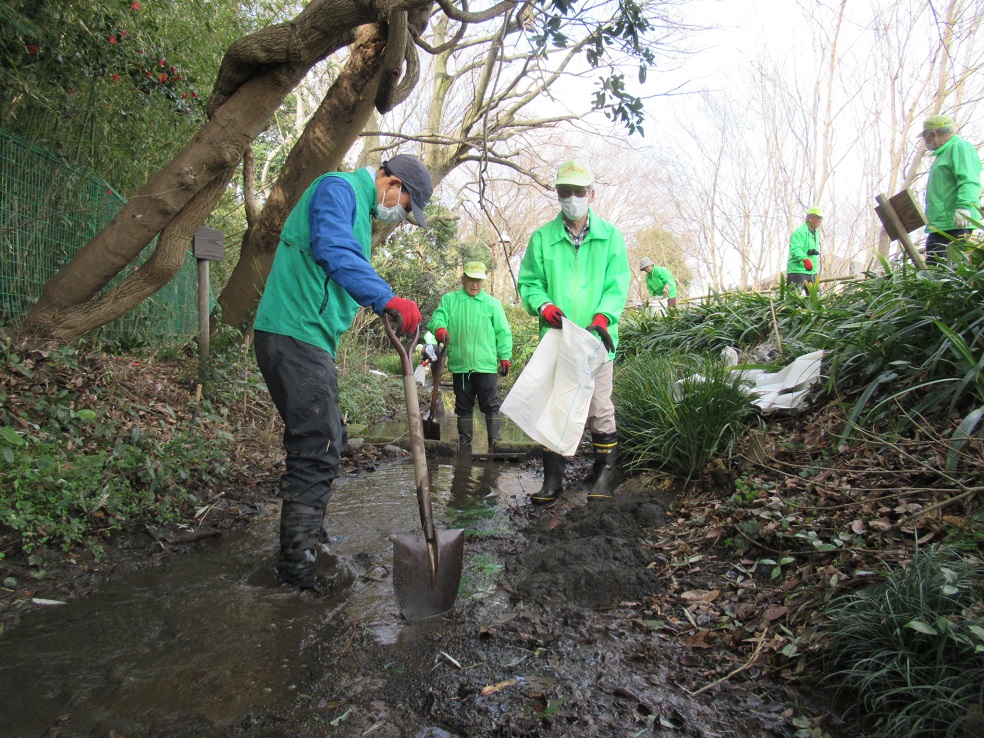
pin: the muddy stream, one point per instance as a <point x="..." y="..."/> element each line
<point x="209" y="645"/>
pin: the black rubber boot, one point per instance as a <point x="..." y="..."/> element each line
<point x="465" y="427"/>
<point x="553" y="479"/>
<point x="493" y="427"/>
<point x="610" y="477"/>
<point x="300" y="534"/>
<point x="602" y="443"/>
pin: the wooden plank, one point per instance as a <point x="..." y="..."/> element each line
<point x="909" y="211"/>
<point x="208" y="244"/>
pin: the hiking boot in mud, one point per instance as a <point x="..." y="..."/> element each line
<point x="610" y="477"/>
<point x="493" y="427"/>
<point x="300" y="534"/>
<point x="465" y="428"/>
<point x="553" y="479"/>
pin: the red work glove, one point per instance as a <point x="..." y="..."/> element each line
<point x="808" y="265"/>
<point x="406" y="312"/>
<point x="503" y="367"/>
<point x="600" y="326"/>
<point x="442" y="336"/>
<point x="552" y="314"/>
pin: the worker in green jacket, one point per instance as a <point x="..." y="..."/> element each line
<point x="576" y="267"/>
<point x="659" y="281"/>
<point x="803" y="265"/>
<point x="473" y="326"/>
<point x="320" y="276"/>
<point x="953" y="193"/>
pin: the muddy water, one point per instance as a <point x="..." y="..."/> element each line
<point x="190" y="646"/>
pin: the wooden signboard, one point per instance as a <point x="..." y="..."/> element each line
<point x="208" y="243"/>
<point x="900" y="215"/>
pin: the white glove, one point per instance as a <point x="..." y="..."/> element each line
<point x="961" y="219"/>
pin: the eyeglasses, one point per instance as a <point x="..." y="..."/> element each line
<point x="565" y="191"/>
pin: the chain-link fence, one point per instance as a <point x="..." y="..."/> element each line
<point x="49" y="209"/>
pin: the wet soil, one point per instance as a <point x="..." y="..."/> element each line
<point x="556" y="636"/>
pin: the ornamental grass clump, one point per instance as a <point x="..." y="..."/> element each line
<point x="675" y="413"/>
<point x="909" y="653"/>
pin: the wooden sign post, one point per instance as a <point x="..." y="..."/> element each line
<point x="900" y="215"/>
<point x="207" y="244"/>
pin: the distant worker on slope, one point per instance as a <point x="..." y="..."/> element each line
<point x="659" y="281"/>
<point x="953" y="193"/>
<point x="804" y="250"/>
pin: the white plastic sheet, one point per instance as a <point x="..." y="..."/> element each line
<point x="551" y="397"/>
<point x="787" y="388"/>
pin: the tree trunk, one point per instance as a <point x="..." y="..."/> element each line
<point x="328" y="136"/>
<point x="257" y="74"/>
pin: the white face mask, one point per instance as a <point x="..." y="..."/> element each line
<point x="391" y="213"/>
<point x="574" y="208"/>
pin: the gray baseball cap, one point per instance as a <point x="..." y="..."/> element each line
<point x="646" y="262"/>
<point x="416" y="179"/>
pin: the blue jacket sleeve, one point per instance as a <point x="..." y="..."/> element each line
<point x="332" y="213"/>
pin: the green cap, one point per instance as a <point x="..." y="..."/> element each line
<point x="574" y="173"/>
<point x="935" y="122"/>
<point x="476" y="270"/>
<point x="815" y="210"/>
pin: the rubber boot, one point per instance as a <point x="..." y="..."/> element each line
<point x="493" y="427"/>
<point x="300" y="533"/>
<point x="465" y="427"/>
<point x="610" y="477"/>
<point x="553" y="479"/>
<point x="601" y="442"/>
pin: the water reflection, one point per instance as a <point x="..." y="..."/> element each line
<point x="189" y="647"/>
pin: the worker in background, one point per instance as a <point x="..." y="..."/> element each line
<point x="472" y="325"/>
<point x="953" y="193"/>
<point x="803" y="266"/>
<point x="659" y="281"/>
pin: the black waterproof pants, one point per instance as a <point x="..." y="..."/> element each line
<point x="303" y="383"/>
<point x="472" y="386"/>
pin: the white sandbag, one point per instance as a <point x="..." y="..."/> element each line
<point x="786" y="389"/>
<point x="420" y="374"/>
<point x="551" y="397"/>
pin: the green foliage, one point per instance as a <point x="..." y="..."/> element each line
<point x="111" y="82"/>
<point x="910" y="651"/>
<point x="901" y="344"/>
<point x="675" y="412"/>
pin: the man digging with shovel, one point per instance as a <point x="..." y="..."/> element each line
<point x="321" y="275"/>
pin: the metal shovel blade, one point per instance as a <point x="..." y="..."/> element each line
<point x="423" y="590"/>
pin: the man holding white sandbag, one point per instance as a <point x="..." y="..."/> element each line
<point x="576" y="267"/>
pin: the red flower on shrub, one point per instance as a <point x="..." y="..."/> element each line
<point x="162" y="78"/>
<point x="160" y="62"/>
<point x="112" y="39"/>
<point x="116" y="78"/>
<point x="194" y="94"/>
<point x="135" y="5"/>
<point x="32" y="49"/>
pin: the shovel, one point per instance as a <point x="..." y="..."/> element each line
<point x="426" y="565"/>
<point x="432" y="429"/>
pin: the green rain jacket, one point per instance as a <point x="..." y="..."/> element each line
<point x="804" y="244"/>
<point x="299" y="299"/>
<point x="658" y="280"/>
<point x="591" y="279"/>
<point x="478" y="332"/>
<point x="954" y="184"/>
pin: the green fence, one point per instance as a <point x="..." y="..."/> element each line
<point x="49" y="209"/>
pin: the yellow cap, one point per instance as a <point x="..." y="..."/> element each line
<point x="815" y="210"/>
<point x="574" y="173"/>
<point x="476" y="270"/>
<point x="935" y="122"/>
